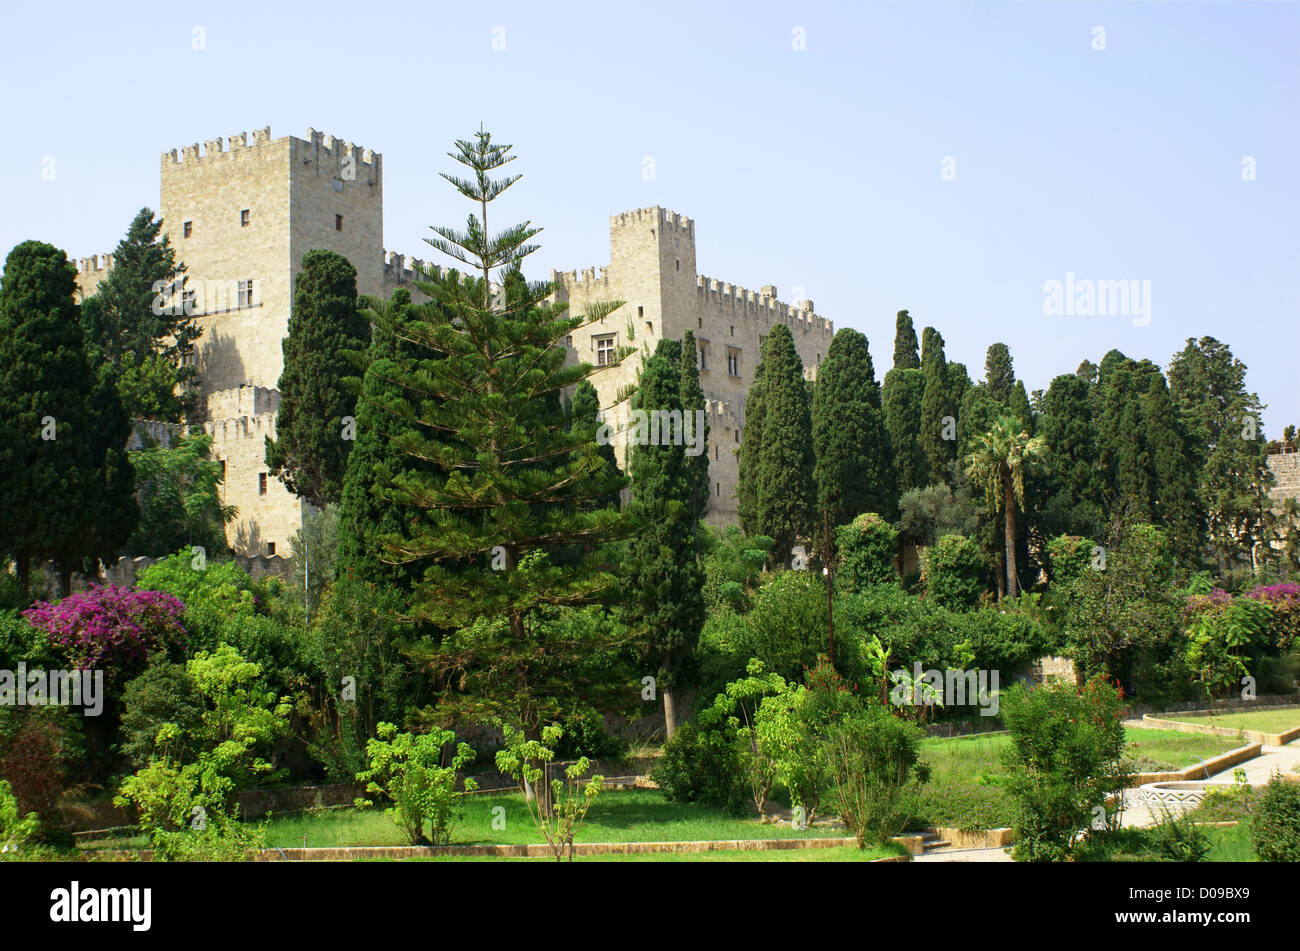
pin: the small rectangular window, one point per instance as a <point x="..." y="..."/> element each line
<point x="243" y="218"/>
<point x="338" y="185"/>
<point x="338" y="222"/>
<point x="188" y="228"/>
<point x="223" y="468"/>
<point x="640" y="311"/>
<point x="733" y="362"/>
<point x="270" y="549"/>
<point x="679" y="265"/>
<point x="246" y="293"/>
<point x="604" y="350"/>
<point x="261" y="483"/>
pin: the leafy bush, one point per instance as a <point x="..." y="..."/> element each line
<point x="407" y="769"/>
<point x="786" y="628"/>
<point x="1065" y="759"/>
<point x="16" y="829"/>
<point x="704" y="765"/>
<point x="111" y="628"/>
<point x="1179" y="839"/>
<point x="955" y="573"/>
<point x="1068" y="557"/>
<point x="732" y="565"/>
<point x="558" y="807"/>
<point x="38" y="747"/>
<point x="164" y="694"/>
<point x="866" y="547"/>
<point x="874" y="766"/>
<point x="1275" y="832"/>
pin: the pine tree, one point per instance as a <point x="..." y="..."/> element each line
<point x="310" y="451"/>
<point x="999" y="376"/>
<point x="693" y="402"/>
<point x="506" y="476"/>
<point x="666" y="581"/>
<point x="938" y="409"/>
<point x="905" y="356"/>
<point x="902" y="396"/>
<point x="65" y="484"/>
<point x="141" y="324"/>
<point x="784" y="489"/>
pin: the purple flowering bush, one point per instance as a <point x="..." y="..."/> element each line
<point x="1284" y="599"/>
<point x="113" y="628"/>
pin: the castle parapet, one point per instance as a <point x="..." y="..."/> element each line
<point x="213" y="147"/>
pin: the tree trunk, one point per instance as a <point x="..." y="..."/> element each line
<point x="1009" y="500"/>
<point x="670" y="713"/>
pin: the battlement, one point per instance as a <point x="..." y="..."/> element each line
<point x="334" y="146"/>
<point x="586" y="277"/>
<point x="212" y="148"/>
<point x="656" y="216"/>
<point x="400" y="268"/>
<point x="190" y="154"/>
<point x="800" y="316"/>
<point x="94" y="264"/>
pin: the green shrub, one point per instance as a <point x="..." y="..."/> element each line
<point x="16" y="829"/>
<point x="408" y="769"/>
<point x="955" y="573"/>
<point x="875" y="773"/>
<point x="1067" y="746"/>
<point x="164" y="693"/>
<point x="1068" y="556"/>
<point x="1275" y="832"/>
<point x="1179" y="839"/>
<point x="704" y="766"/>
<point x="866" y="547"/>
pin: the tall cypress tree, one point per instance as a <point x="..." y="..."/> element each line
<point x="1072" y="505"/>
<point x="585" y="412"/>
<point x="905" y="355"/>
<point x="666" y="582"/>
<point x="1208" y="384"/>
<point x="139" y="323"/>
<point x="999" y="376"/>
<point x="65" y="484"/>
<point x="902" y="395"/>
<point x="785" y="493"/>
<point x="747" y="455"/>
<point x="365" y="513"/>
<point x="937" y="403"/>
<point x="692" y="402"/>
<point x="854" y="469"/>
<point x="310" y="451"/>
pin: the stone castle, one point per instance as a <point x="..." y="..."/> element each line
<point x="242" y="214"/>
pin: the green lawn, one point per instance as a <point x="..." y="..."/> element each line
<point x="1266" y="721"/>
<point x="963" y="791"/>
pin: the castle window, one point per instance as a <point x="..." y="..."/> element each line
<point x="189" y="302"/>
<point x="679" y="265"/>
<point x="700" y="322"/>
<point x="338" y="222"/>
<point x="733" y="362"/>
<point x="649" y="327"/>
<point x="243" y="218"/>
<point x="640" y="311"/>
<point x="270" y="549"/>
<point x="715" y="453"/>
<point x="223" y="468"/>
<point x="261" y="483"/>
<point x="733" y="330"/>
<point x="704" y="356"/>
<point x="246" y="293"/>
<point x="719" y="488"/>
<point x="736" y="434"/>
<point x="338" y="185"/>
<point x="188" y="228"/>
<point x="568" y="341"/>
<point x="604" y="349"/>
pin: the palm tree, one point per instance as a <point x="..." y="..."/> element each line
<point x="1001" y="458"/>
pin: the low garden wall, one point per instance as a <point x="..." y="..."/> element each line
<point x="1215" y="764"/>
<point x="1255" y="736"/>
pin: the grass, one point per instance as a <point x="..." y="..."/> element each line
<point x="1265" y="721"/>
<point x="963" y="791"/>
<point x="1227" y="844"/>
<point x="638" y="815"/>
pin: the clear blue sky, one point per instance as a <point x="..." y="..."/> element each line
<point x="817" y="168"/>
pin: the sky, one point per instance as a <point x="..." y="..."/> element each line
<point x="948" y="158"/>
